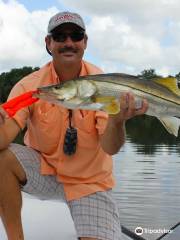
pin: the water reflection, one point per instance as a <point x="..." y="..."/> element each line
<point x="148" y="181"/>
<point x="150" y="135"/>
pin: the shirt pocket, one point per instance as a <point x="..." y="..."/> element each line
<point x="84" y="121"/>
<point x="48" y="126"/>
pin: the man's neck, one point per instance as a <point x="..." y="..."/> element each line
<point x="68" y="71"/>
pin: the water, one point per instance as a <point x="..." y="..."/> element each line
<point x="147" y="172"/>
<point x="148" y="186"/>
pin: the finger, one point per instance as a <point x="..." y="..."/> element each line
<point x="3" y="115"/>
<point x="2" y="119"/>
<point x="131" y="101"/>
<point x="124" y="102"/>
<point x="131" y="105"/>
<point x="144" y="108"/>
<point x="3" y="112"/>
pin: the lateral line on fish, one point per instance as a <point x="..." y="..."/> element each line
<point x="150" y="93"/>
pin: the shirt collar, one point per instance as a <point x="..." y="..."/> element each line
<point x="83" y="71"/>
<point x="55" y="78"/>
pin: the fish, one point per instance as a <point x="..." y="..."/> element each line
<point x="102" y="92"/>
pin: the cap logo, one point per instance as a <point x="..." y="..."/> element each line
<point x="65" y="17"/>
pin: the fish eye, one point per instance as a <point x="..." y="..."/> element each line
<point x="57" y="87"/>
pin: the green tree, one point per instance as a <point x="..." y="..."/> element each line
<point x="9" y="79"/>
<point x="178" y="78"/>
<point x="148" y="74"/>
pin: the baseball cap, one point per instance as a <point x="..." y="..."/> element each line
<point x="65" y="17"/>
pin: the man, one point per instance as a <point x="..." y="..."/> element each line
<point x="83" y="179"/>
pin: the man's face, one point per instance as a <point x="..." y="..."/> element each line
<point x="67" y="43"/>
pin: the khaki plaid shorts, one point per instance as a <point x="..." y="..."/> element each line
<point x="95" y="216"/>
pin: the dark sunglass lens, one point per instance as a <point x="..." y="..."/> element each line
<point x="77" y="36"/>
<point x="59" y="37"/>
<point x="62" y="36"/>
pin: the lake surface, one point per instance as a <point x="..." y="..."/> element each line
<point x="147" y="173"/>
<point x="148" y="187"/>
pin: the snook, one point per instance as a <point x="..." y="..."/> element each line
<point x="102" y="91"/>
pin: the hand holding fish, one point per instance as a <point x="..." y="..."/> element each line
<point x="114" y="135"/>
<point x="128" y="108"/>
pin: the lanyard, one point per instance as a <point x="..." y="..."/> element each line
<point x="70" y="139"/>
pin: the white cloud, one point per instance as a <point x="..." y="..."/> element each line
<point x="122" y="46"/>
<point x="137" y="9"/>
<point x="22" y="35"/>
<point x="133" y="35"/>
<point x="124" y="36"/>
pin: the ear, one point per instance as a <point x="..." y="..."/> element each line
<point x="48" y="42"/>
<point x="85" y="41"/>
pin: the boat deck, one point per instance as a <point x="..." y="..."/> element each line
<point x="125" y="237"/>
<point x="175" y="235"/>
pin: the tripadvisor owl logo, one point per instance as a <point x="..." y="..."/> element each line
<point x="138" y="231"/>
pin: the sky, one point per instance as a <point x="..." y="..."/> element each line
<point x="124" y="36"/>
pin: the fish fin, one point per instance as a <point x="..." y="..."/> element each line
<point x="110" y="104"/>
<point x="171" y="124"/>
<point x="170" y="83"/>
<point x="104" y="99"/>
<point x="112" y="108"/>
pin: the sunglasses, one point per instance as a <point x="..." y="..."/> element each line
<point x="75" y="36"/>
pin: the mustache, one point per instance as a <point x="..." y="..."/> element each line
<point x="68" y="49"/>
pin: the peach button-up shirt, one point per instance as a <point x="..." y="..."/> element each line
<point x="87" y="171"/>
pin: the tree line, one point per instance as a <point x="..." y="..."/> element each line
<point x="9" y="79"/>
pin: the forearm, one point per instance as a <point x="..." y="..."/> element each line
<point x="8" y="131"/>
<point x="3" y="139"/>
<point x="113" y="137"/>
